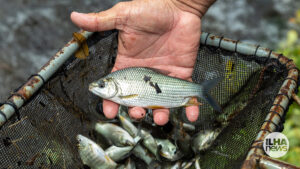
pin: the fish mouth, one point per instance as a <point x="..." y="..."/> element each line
<point x="92" y="86"/>
<point x="79" y="137"/>
<point x="79" y="141"/>
<point x="165" y="155"/>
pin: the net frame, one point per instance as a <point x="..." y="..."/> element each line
<point x="275" y="117"/>
<point x="273" y="121"/>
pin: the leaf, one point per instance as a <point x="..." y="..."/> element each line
<point x="292" y="37"/>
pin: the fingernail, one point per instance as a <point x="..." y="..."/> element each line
<point x="76" y="13"/>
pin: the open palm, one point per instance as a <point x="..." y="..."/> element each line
<point x="154" y="34"/>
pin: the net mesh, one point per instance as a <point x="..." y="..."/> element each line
<point x="45" y="137"/>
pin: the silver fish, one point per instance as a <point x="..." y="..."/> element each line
<point x="148" y="140"/>
<point x="197" y="163"/>
<point x="204" y="139"/>
<point x="187" y="165"/>
<point x="127" y="125"/>
<point x="144" y="87"/>
<point x="118" y="153"/>
<point x="123" y="111"/>
<point x="188" y="127"/>
<point x="168" y="150"/>
<point x="93" y="155"/>
<point x="115" y="134"/>
<point x="143" y="154"/>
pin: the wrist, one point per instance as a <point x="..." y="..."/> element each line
<point x="197" y="7"/>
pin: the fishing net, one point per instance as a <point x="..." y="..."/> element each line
<point x="45" y="134"/>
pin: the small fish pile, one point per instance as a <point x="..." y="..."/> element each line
<point x="152" y="147"/>
<point x="144" y="87"/>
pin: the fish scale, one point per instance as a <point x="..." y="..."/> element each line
<point x="151" y="97"/>
<point x="144" y="87"/>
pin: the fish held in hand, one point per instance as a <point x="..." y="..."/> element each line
<point x="144" y="87"/>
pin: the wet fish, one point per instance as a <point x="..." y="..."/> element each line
<point x="115" y="134"/>
<point x="128" y="125"/>
<point x="188" y="127"/>
<point x="197" y="163"/>
<point x="123" y="111"/>
<point x="187" y="165"/>
<point x="143" y="154"/>
<point x="148" y="140"/>
<point x="118" y="153"/>
<point x="93" y="155"/>
<point x="168" y="150"/>
<point x="204" y="139"/>
<point x="147" y="88"/>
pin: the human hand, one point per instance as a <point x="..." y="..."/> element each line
<point x="160" y="34"/>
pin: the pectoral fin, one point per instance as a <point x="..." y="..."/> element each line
<point x="129" y="96"/>
<point x="193" y="102"/>
<point x="155" y="107"/>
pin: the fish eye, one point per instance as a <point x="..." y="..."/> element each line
<point x="101" y="84"/>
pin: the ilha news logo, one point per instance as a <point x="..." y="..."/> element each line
<point x="276" y="144"/>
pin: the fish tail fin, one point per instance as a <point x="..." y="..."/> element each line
<point x="206" y="87"/>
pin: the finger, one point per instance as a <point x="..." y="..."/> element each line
<point x="137" y="112"/>
<point x="192" y="113"/>
<point x="93" y="21"/>
<point x="102" y="21"/>
<point x="161" y="116"/>
<point x="110" y="109"/>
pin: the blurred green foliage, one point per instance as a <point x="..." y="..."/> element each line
<point x="291" y="47"/>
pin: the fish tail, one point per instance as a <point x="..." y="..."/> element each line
<point x="206" y="86"/>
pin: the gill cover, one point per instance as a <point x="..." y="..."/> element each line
<point x="106" y="88"/>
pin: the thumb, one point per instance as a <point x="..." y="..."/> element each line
<point x="102" y="21"/>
